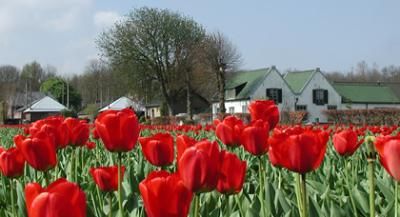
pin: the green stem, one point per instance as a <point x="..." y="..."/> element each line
<point x="76" y="164"/>
<point x="396" y="184"/>
<point x="298" y="194"/>
<point x="228" y="208"/>
<point x="347" y="180"/>
<point x="119" y="184"/>
<point x="72" y="169"/>
<point x="196" y="205"/>
<point x="371" y="179"/>
<point x="261" y="180"/>
<point x="12" y="198"/>
<point x="46" y="176"/>
<point x="239" y="204"/>
<point x="303" y="190"/>
<point x="110" y="204"/>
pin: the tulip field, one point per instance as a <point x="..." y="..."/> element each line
<point x="117" y="167"/>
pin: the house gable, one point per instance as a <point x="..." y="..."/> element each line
<point x="306" y="97"/>
<point x="274" y="80"/>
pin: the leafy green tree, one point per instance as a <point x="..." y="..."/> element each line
<point x="57" y="87"/>
<point x="157" y="44"/>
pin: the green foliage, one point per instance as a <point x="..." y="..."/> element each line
<point x="91" y="109"/>
<point x="69" y="113"/>
<point x="157" y="45"/>
<point x="57" y="87"/>
<point x="164" y="109"/>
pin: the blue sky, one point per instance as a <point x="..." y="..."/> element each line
<point x="333" y="35"/>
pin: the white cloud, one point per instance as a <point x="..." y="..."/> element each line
<point x="105" y="19"/>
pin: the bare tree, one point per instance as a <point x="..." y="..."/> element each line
<point x="223" y="58"/>
<point x="9" y="76"/>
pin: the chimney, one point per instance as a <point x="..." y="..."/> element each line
<point x="273" y="67"/>
<point x="318" y="69"/>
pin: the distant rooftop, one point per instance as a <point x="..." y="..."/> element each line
<point x="46" y="104"/>
<point x="366" y="92"/>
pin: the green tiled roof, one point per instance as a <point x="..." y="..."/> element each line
<point x="366" y="93"/>
<point x="250" y="80"/>
<point x="298" y="79"/>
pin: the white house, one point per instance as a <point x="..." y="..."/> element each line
<point x="245" y="86"/>
<point x="307" y="90"/>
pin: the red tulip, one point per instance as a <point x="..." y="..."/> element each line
<point x="388" y="148"/>
<point x="265" y="110"/>
<point x="229" y="130"/>
<point x="165" y="195"/>
<point x="12" y="162"/>
<point x="95" y="134"/>
<point x="59" y="199"/>
<point x="199" y="166"/>
<point x="119" y="130"/>
<point x="38" y="151"/>
<point x="232" y="173"/>
<point x="158" y="149"/>
<point x="183" y="142"/>
<point x="106" y="178"/>
<point x="297" y="149"/>
<point x="54" y="127"/>
<point x="78" y="131"/>
<point x="255" y="138"/>
<point x="346" y="142"/>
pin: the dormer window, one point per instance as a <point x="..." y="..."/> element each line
<point x="320" y="96"/>
<point x="274" y="94"/>
<point x="230" y="94"/>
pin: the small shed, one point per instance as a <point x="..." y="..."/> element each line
<point x="42" y="108"/>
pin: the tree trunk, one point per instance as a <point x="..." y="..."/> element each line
<point x="167" y="99"/>
<point x="188" y="97"/>
<point x="221" y="94"/>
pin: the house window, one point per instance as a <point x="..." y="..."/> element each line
<point x="244" y="108"/>
<point x="231" y="110"/>
<point x="332" y="107"/>
<point x="301" y="107"/>
<point x="320" y="96"/>
<point x="274" y="94"/>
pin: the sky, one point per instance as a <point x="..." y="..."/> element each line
<point x="333" y="35"/>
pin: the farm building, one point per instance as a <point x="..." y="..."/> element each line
<point x="17" y="104"/>
<point x="124" y="102"/>
<point x="42" y="108"/>
<point x="307" y="91"/>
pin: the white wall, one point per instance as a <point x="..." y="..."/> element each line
<point x="237" y="105"/>
<point x="275" y="80"/>
<point x="306" y="98"/>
